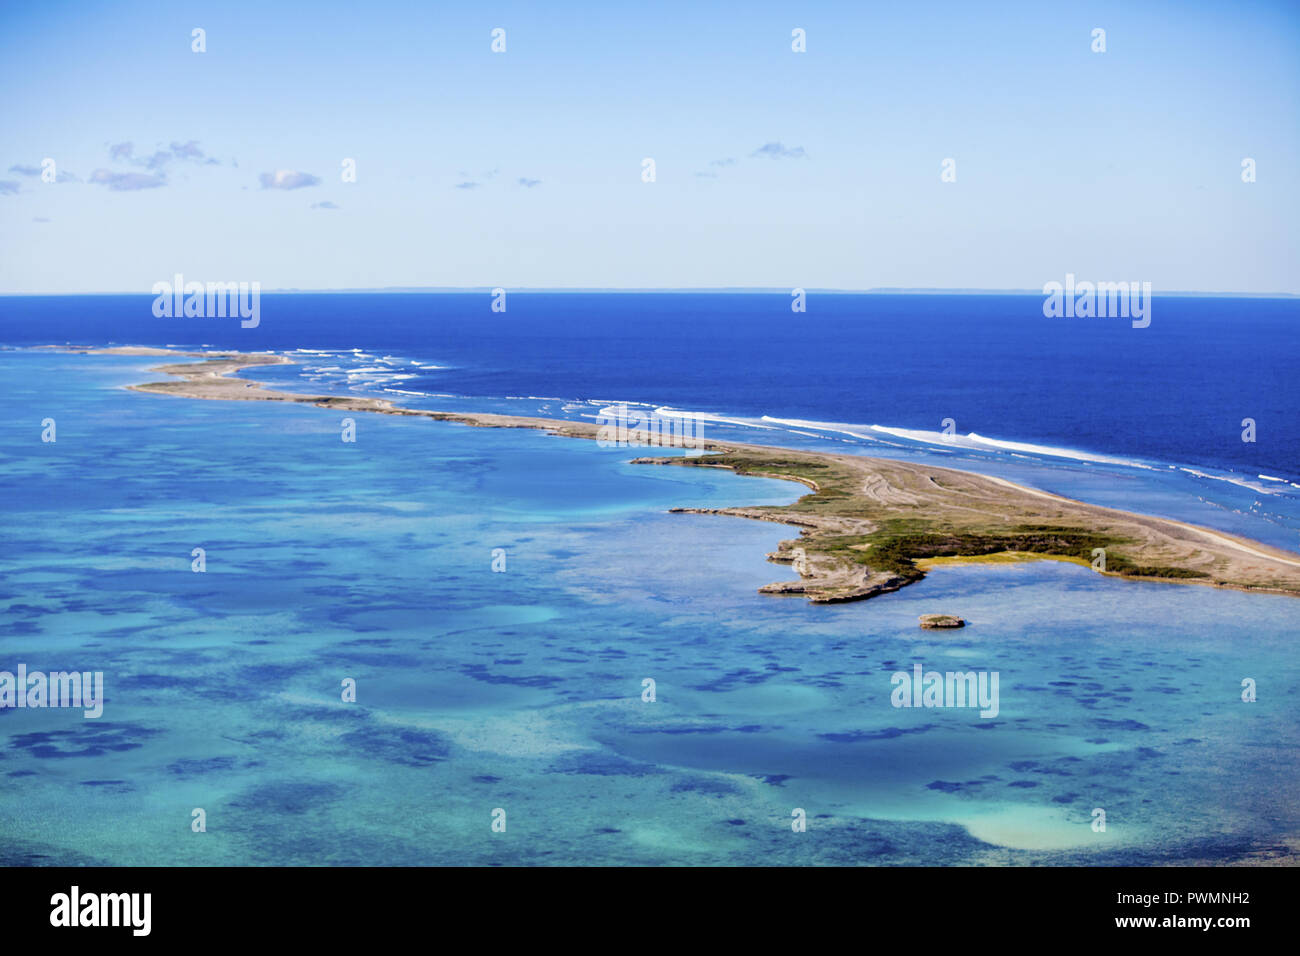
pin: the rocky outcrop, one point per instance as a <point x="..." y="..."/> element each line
<point x="930" y="621"/>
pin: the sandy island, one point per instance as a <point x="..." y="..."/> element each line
<point x="869" y="525"/>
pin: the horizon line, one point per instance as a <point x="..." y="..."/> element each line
<point x="695" y="290"/>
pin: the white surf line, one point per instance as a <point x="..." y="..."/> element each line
<point x="1221" y="539"/>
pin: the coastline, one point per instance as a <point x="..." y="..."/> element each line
<point x="869" y="526"/>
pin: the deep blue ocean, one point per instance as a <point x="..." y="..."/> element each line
<point x="1174" y="392"/>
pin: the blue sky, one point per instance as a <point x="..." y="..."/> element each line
<point x="1123" y="165"/>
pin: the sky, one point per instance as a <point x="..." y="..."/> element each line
<point x="773" y="168"/>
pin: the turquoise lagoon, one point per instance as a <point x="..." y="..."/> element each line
<point x="521" y="690"/>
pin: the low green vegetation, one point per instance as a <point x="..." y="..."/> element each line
<point x="895" y="551"/>
<point x="900" y="541"/>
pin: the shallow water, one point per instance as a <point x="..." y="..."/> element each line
<point x="522" y="690"/>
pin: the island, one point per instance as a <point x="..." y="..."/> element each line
<point x="867" y="526"/>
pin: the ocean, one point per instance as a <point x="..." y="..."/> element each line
<point x="1141" y="419"/>
<point x="517" y="685"/>
<point x="1174" y="392"/>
